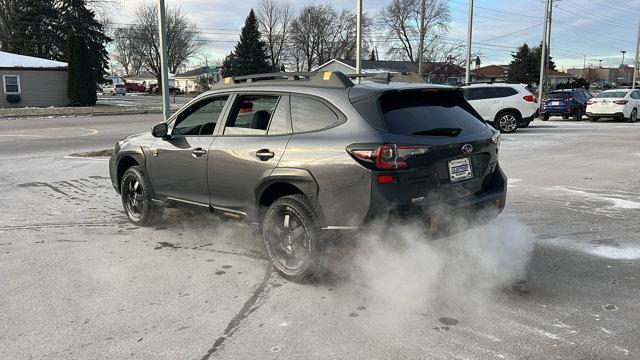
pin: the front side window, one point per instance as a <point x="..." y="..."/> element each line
<point x="11" y="84"/>
<point x="478" y="93"/>
<point x="309" y="114"/>
<point x="201" y="118"/>
<point x="252" y="114"/>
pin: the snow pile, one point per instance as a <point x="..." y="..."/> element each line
<point x="15" y="60"/>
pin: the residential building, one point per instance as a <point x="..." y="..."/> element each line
<point x="490" y="74"/>
<point x="197" y="80"/>
<point x="31" y="81"/>
<point x="435" y="72"/>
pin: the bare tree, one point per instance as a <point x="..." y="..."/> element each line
<point x="320" y="33"/>
<point x="144" y="45"/>
<point x="274" y="19"/>
<point x="401" y="20"/>
<point x="125" y="51"/>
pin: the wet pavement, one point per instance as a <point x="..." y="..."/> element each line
<point x="556" y="276"/>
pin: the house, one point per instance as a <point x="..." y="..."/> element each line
<point x="490" y="74"/>
<point x="31" y="81"/>
<point x="194" y="80"/>
<point x="436" y="72"/>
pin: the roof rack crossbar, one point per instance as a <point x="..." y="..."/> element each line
<point x="406" y="77"/>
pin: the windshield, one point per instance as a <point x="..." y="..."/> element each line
<point x="429" y="113"/>
<point x="612" y="94"/>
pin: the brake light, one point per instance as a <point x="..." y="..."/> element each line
<point x="385" y="179"/>
<point x="387" y="156"/>
<point x="620" y="102"/>
<point x="530" y="98"/>
<point x="589" y="102"/>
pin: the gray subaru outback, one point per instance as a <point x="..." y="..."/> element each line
<point x="299" y="155"/>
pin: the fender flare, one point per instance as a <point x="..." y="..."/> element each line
<point x="300" y="178"/>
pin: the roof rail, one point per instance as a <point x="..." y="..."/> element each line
<point x="326" y="78"/>
<point x="406" y="77"/>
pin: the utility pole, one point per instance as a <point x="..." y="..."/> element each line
<point x="543" y="51"/>
<point x="421" y="47"/>
<point x="635" y="69"/>
<point x="584" y="67"/>
<point x="467" y="78"/>
<point x="359" y="37"/>
<point x="164" y="69"/>
<point x="600" y="63"/>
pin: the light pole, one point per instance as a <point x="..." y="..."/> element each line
<point x="467" y="77"/>
<point x="164" y="65"/>
<point x="359" y="37"/>
<point x="635" y="70"/>
<point x="623" y="52"/>
<point x="421" y="47"/>
<point x="600" y="63"/>
<point x="543" y="53"/>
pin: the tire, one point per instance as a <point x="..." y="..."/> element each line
<point x="544" y="117"/>
<point x="507" y="122"/>
<point x="137" y="194"/>
<point x="633" y="117"/>
<point x="593" y="119"/>
<point x="290" y="232"/>
<point x="578" y="115"/>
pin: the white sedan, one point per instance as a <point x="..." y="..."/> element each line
<point x="618" y="104"/>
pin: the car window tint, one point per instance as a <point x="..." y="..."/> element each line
<point x="309" y="114"/>
<point x="558" y="95"/>
<point x="279" y="124"/>
<point x="478" y="93"/>
<point x="612" y="94"/>
<point x="419" y="113"/>
<point x="505" y="91"/>
<point x="200" y="118"/>
<point x="251" y="115"/>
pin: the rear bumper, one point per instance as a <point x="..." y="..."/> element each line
<point x="554" y="111"/>
<point x="445" y="217"/>
<point x="617" y="115"/>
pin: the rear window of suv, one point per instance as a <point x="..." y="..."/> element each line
<point x="429" y="112"/>
<point x="558" y="95"/>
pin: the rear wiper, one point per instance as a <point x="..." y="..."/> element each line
<point x="452" y="132"/>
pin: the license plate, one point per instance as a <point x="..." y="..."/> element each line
<point x="460" y="169"/>
<point x="555" y="103"/>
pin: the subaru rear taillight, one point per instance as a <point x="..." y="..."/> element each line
<point x="621" y="102"/>
<point x="387" y="156"/>
<point x="530" y="98"/>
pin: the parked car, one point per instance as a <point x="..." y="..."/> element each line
<point x="172" y="90"/>
<point x="303" y="157"/>
<point x="114" y="89"/>
<point x="618" y="104"/>
<point x="133" y="87"/>
<point x="565" y="103"/>
<point x="506" y="106"/>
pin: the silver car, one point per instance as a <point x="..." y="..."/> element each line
<point x="301" y="155"/>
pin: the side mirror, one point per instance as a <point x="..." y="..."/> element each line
<point x="160" y="130"/>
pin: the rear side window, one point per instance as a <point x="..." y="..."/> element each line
<point x="251" y="115"/>
<point x="428" y="113"/>
<point x="309" y="114"/>
<point x="505" y="92"/>
<point x="479" y="93"/>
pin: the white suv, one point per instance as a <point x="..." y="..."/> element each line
<point x="506" y="106"/>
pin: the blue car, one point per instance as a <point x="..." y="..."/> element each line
<point x="565" y="103"/>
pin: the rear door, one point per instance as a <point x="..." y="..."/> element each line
<point x="178" y="164"/>
<point x="483" y="100"/>
<point x="248" y="147"/>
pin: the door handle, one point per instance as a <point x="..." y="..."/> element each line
<point x="265" y="154"/>
<point x="198" y="152"/>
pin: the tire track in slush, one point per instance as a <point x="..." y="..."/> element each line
<point x="252" y="304"/>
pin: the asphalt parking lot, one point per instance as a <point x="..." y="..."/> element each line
<point x="80" y="282"/>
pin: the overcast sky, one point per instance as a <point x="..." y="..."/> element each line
<point x="598" y="29"/>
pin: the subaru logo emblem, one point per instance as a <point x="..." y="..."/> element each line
<point x="467" y="148"/>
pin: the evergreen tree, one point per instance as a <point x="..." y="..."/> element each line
<point x="536" y="53"/>
<point x="372" y="55"/>
<point x="520" y="68"/>
<point x="86" y="53"/>
<point x="37" y="31"/>
<point x="249" y="56"/>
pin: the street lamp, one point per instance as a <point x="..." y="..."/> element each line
<point x="623" y="52"/>
<point x="600" y="63"/>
